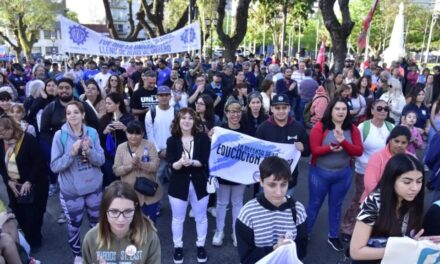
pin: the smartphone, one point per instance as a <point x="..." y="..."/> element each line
<point x="335" y="144"/>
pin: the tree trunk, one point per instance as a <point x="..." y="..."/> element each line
<point x="339" y="32"/>
<point x="240" y="27"/>
<point x="283" y="31"/>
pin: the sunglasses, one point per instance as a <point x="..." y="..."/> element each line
<point x="382" y="108"/>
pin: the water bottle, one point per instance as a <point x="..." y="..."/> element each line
<point x="145" y="157"/>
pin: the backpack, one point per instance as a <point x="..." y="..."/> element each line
<point x="307" y="113"/>
<point x="366" y="128"/>
<point x="292" y="203"/>
<point x="64" y="136"/>
<point x="153" y="113"/>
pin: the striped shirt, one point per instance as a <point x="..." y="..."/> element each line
<point x="269" y="223"/>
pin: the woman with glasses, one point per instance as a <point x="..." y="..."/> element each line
<point x="395" y="99"/>
<point x="334" y="142"/>
<point x="229" y="191"/>
<point x="138" y="158"/>
<point x="122" y="232"/>
<point x="77" y="157"/>
<point x="397" y="143"/>
<point x="188" y="154"/>
<point x="93" y="97"/>
<point x="205" y="111"/>
<point x="114" y="85"/>
<point x="374" y="133"/>
<point x="23" y="169"/>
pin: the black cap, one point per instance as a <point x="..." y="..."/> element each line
<point x="280" y="99"/>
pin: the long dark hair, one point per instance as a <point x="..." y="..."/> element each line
<point x="414" y="93"/>
<point x="118" y="98"/>
<point x="254" y="95"/>
<point x="387" y="223"/>
<point x="99" y="97"/>
<point x="367" y="89"/>
<point x="327" y="118"/>
<point x="209" y="114"/>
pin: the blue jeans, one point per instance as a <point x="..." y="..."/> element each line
<point x="336" y="184"/>
<point x="150" y="210"/>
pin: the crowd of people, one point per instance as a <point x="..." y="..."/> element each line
<point x="112" y="136"/>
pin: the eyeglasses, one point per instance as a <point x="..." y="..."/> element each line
<point x="200" y="103"/>
<point x="113" y="213"/>
<point x="382" y="108"/>
<point x="234" y="112"/>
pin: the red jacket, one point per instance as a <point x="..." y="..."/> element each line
<point x="317" y="136"/>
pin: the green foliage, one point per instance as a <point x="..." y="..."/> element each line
<point x="173" y="10"/>
<point x="415" y="17"/>
<point x="26" y="17"/>
<point x="72" y="15"/>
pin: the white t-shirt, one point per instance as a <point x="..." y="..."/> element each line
<point x="102" y="80"/>
<point x="160" y="131"/>
<point x="375" y="141"/>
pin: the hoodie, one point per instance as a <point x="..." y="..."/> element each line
<point x="290" y="133"/>
<point x="319" y="104"/>
<point x="77" y="177"/>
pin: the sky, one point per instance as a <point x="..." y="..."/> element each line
<point x="89" y="11"/>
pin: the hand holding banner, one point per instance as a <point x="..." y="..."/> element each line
<point x="236" y="157"/>
<point x="407" y="250"/>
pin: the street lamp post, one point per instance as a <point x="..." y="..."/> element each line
<point x="210" y="23"/>
<point x="53" y="38"/>
<point x="433" y="21"/>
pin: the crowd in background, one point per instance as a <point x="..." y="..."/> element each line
<point x="91" y="122"/>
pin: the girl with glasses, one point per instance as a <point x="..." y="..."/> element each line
<point x="122" y="232"/>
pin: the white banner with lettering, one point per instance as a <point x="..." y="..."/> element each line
<point x="235" y="157"/>
<point x="407" y="250"/>
<point x="79" y="39"/>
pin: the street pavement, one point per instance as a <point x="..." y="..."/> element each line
<point x="55" y="249"/>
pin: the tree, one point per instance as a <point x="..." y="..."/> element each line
<point x="232" y="42"/>
<point x="25" y="19"/>
<point x="150" y="17"/>
<point x="339" y="31"/>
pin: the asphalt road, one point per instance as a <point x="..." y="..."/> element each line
<point x="55" y="249"/>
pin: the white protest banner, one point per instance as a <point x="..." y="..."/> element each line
<point x="79" y="39"/>
<point x="407" y="250"/>
<point x="235" y="157"/>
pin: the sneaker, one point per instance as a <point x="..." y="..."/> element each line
<point x="61" y="219"/>
<point x="234" y="240"/>
<point x="201" y="255"/>
<point x="78" y="260"/>
<point x="335" y="243"/>
<point x="191" y="214"/>
<point x="212" y="211"/>
<point x="217" y="240"/>
<point x="178" y="255"/>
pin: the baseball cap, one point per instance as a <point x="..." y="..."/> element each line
<point x="163" y="90"/>
<point x="280" y="99"/>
